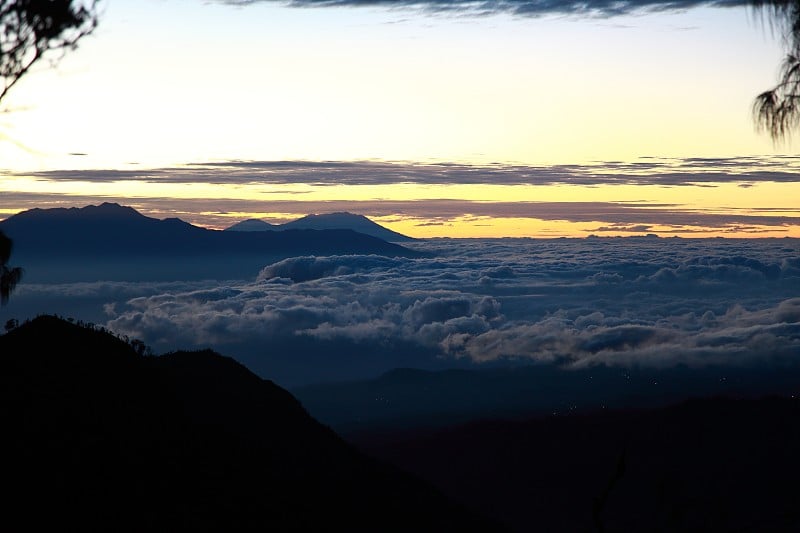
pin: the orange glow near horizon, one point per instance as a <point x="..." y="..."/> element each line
<point x="454" y="210"/>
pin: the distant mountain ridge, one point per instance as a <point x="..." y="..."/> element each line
<point x="253" y="224"/>
<point x="99" y="438"/>
<point x="114" y="242"/>
<point x="408" y="397"/>
<point x="340" y="220"/>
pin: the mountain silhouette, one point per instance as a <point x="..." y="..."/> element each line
<point x="113" y="242"/>
<point x="253" y="224"/>
<point x="326" y="221"/>
<point x="415" y="398"/>
<point x="97" y="437"/>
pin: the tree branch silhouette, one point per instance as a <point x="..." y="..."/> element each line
<point x="777" y="110"/>
<point x="31" y="30"/>
<point x="9" y="276"/>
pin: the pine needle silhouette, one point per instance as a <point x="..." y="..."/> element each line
<point x="777" y="110"/>
<point x="31" y="30"/>
<point x="9" y="276"/>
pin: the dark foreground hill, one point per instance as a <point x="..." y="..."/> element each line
<point x="113" y="242"/>
<point x="96" y="437"/>
<point x="704" y="465"/>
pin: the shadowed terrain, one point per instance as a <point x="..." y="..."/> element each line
<point x="98" y="437"/>
<point x="415" y="398"/>
<point x="702" y="465"/>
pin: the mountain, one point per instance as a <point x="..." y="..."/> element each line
<point x="252" y="224"/>
<point x="97" y="437"/>
<point x="113" y="242"/>
<point x="710" y="465"/>
<point x="327" y="221"/>
<point x="414" y="398"/>
<point x="357" y="223"/>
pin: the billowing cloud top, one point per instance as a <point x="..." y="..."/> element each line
<point x="650" y="302"/>
<point x="595" y="8"/>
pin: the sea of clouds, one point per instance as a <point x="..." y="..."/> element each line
<point x="574" y="302"/>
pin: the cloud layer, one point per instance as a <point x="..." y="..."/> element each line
<point x="636" y="301"/>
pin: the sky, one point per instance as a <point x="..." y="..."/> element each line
<point x="534" y="119"/>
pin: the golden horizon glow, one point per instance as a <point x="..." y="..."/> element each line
<point x="411" y="208"/>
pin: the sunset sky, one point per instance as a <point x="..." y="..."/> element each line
<point x="433" y="123"/>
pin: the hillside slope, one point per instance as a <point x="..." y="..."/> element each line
<point x="97" y="437"/>
<point x="714" y="464"/>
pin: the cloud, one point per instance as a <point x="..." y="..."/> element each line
<point x="645" y="171"/>
<point x="739" y="337"/>
<point x="621" y="217"/>
<point x="618" y="216"/>
<point x="529" y="8"/>
<point x="626" y="228"/>
<point x="308" y="268"/>
<point x="573" y="302"/>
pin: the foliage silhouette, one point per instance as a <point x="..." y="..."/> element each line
<point x="777" y="110"/>
<point x="31" y="30"/>
<point x="9" y="276"/>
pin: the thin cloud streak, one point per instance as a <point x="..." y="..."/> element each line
<point x="646" y="171"/>
<point x="524" y="8"/>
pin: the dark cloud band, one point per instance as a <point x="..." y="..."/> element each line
<point x="645" y="171"/>
<point x="610" y="216"/>
<point x="530" y="8"/>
